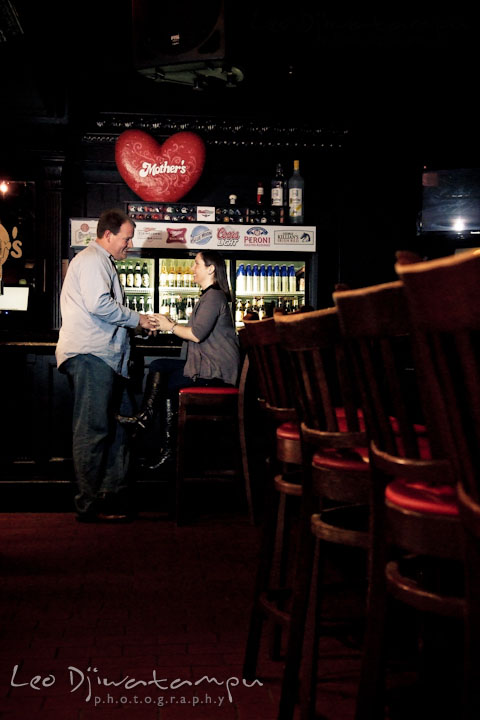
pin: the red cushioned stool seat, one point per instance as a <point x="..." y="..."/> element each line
<point x="208" y="391"/>
<point x="422" y="497"/>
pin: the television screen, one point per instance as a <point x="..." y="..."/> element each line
<point x="451" y="201"/>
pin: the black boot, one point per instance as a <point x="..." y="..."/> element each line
<point x="167" y="454"/>
<point x="142" y="419"/>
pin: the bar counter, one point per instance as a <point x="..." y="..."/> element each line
<point x="36" y="398"/>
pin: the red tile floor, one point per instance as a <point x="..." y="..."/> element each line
<point x="144" y="621"/>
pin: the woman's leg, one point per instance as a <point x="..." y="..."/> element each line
<point x="156" y="388"/>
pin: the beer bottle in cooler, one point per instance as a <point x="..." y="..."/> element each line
<point x="122" y="274"/>
<point x="130" y="276"/>
<point x="172" y="275"/>
<point x="145" y="276"/>
<point x="164" y="275"/>
<point x="137" y="276"/>
<point x="261" y="309"/>
<point x="239" y="312"/>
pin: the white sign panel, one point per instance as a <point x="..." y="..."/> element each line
<point x="191" y="236"/>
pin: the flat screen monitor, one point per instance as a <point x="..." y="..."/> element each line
<point x="451" y="201"/>
<point x="14" y="298"/>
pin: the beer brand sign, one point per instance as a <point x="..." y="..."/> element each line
<point x="160" y="173"/>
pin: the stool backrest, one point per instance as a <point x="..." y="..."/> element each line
<point x="444" y="301"/>
<point x="322" y="378"/>
<point x="375" y="322"/>
<point x="269" y="365"/>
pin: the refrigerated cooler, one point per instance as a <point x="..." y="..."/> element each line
<point x="268" y="267"/>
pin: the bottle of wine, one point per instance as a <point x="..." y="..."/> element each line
<point x="260" y="193"/>
<point x="278" y="188"/>
<point x="149" y="305"/>
<point x="295" y="195"/>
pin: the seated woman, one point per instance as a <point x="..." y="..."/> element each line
<point x="210" y="353"/>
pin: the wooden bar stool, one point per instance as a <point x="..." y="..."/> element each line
<point x="444" y="304"/>
<point x="275" y="420"/>
<point x="416" y="543"/>
<point x="336" y="484"/>
<point x="199" y="406"/>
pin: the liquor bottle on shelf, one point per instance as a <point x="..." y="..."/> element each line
<point x="284" y="279"/>
<point x="141" y="304"/>
<point x="134" y="303"/>
<point x="127" y="302"/>
<point x="188" y="308"/>
<point x="278" y="188"/>
<point x="145" y="276"/>
<point x="122" y="274"/>
<point x="260" y="193"/>
<point x="247" y="307"/>
<point x="137" y="276"/>
<point x="129" y="279"/>
<point x="292" y="279"/>
<point x="149" y="305"/>
<point x="163" y="275"/>
<point x="296" y="188"/>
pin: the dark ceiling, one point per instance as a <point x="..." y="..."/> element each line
<point x="412" y="72"/>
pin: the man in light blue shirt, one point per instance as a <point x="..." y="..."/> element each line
<point x="93" y="350"/>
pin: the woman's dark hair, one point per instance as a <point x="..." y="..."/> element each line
<point x="112" y="220"/>
<point x="213" y="257"/>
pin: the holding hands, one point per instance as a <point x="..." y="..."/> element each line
<point x="164" y="323"/>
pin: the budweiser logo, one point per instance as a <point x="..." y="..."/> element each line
<point x="153" y="169"/>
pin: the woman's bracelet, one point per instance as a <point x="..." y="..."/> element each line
<point x="173" y="327"/>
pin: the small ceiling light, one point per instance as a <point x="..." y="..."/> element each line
<point x="3" y="187"/>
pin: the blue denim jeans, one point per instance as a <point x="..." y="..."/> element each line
<point x="100" y="444"/>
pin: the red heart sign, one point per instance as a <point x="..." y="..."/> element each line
<point x="160" y="173"/>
